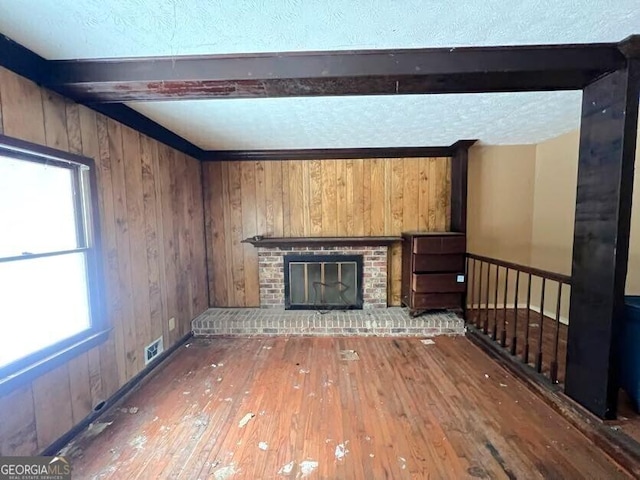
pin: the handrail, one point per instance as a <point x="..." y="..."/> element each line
<point x="513" y="326"/>
<point x="557" y="277"/>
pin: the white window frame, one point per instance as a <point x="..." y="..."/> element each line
<point x="86" y="209"/>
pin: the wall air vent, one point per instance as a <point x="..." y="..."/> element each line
<point x="153" y="350"/>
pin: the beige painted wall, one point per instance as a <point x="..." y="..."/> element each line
<point x="500" y="210"/>
<point x="500" y="201"/>
<point x="554" y="207"/>
<point x="521" y="208"/>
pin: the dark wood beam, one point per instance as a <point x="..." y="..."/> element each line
<point x="359" y="72"/>
<point x="327" y="153"/>
<point x="22" y="61"/>
<point x="459" y="168"/>
<point x="28" y="64"/>
<point x="601" y="237"/>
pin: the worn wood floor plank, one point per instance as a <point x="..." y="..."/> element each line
<point x="402" y="410"/>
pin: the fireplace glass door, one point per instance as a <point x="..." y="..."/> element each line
<point x="323" y="282"/>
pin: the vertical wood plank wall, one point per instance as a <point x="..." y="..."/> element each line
<point x="295" y="198"/>
<point x="154" y="257"/>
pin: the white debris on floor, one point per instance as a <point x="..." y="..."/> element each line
<point x="225" y="472"/>
<point x="427" y="341"/>
<point x="263" y="446"/>
<point x="246" y="419"/>
<point x="307" y="467"/>
<point x="341" y="451"/>
<point x="286" y="469"/>
<point x="349" y="355"/>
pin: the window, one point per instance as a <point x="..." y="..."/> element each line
<point x="49" y="272"/>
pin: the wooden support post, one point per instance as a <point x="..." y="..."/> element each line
<point x="459" y="164"/>
<point x="601" y="235"/>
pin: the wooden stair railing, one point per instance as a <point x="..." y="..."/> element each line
<point x="512" y="325"/>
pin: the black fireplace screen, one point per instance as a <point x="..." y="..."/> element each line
<point x="322" y="282"/>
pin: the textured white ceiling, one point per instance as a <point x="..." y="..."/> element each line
<point x="377" y="121"/>
<point x="116" y="28"/>
<point x="59" y="29"/>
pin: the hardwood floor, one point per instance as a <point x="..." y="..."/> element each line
<point x="402" y="410"/>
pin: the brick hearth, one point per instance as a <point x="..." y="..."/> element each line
<point x="392" y="321"/>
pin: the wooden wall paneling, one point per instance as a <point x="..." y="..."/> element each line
<point x="125" y="284"/>
<point x="314" y="198"/>
<point x="202" y="301"/>
<point x="387" y="215"/>
<point x="411" y="210"/>
<point x="215" y="228"/>
<point x="281" y="200"/>
<point x="397" y="225"/>
<point x="249" y="225"/>
<point x="55" y="120"/>
<point x="138" y="195"/>
<point x="175" y="212"/>
<point x="53" y="414"/>
<point x="306" y="199"/>
<point x="447" y="218"/>
<point x="181" y="235"/>
<point x="261" y="199"/>
<point x="286" y="200"/>
<point x="1" y="121"/>
<point x="56" y="130"/>
<point x="358" y="196"/>
<point x="366" y="197"/>
<point x="148" y="154"/>
<point x="329" y="198"/>
<point x="235" y="200"/>
<point x="296" y="198"/>
<point x="351" y="207"/>
<point x="18" y="435"/>
<point x="72" y="115"/>
<point x="228" y="227"/>
<point x="168" y="265"/>
<point x="275" y="197"/>
<point x="22" y="112"/>
<point x="91" y="149"/>
<point x="79" y="388"/>
<point x="137" y="244"/>
<point x="212" y="237"/>
<point x="114" y="304"/>
<point x="315" y="201"/>
<point x="342" y="203"/>
<point x="191" y="230"/>
<point x="378" y="200"/>
<point x="63" y="131"/>
<point x="270" y="200"/>
<point x="424" y="174"/>
<point x="433" y="196"/>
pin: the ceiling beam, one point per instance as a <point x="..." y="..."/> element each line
<point x="332" y="73"/>
<point x="334" y="153"/>
<point x="29" y="64"/>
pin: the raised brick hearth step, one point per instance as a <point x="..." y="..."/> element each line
<point x="392" y="321"/>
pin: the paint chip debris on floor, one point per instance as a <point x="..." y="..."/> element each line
<point x="246" y="419"/>
<point x="341" y="451"/>
<point x="349" y="355"/>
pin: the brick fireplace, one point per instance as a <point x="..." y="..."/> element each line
<point x="375" y="318"/>
<point x="272" y="278"/>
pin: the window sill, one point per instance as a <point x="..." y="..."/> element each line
<point x="36" y="369"/>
